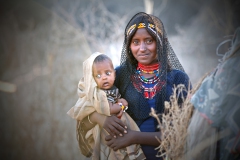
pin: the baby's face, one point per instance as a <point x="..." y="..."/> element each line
<point x="104" y="74"/>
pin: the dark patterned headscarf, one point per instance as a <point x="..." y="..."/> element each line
<point x="165" y="55"/>
<point x="155" y="28"/>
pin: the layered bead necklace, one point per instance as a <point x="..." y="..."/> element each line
<point x="148" y="84"/>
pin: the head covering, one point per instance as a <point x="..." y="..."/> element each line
<point x="91" y="98"/>
<point x="165" y="55"/>
<point x="154" y="26"/>
<point x="89" y="81"/>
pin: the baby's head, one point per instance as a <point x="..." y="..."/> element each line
<point x="103" y="71"/>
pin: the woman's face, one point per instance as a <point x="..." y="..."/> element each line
<point x="144" y="47"/>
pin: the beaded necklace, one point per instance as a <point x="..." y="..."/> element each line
<point x="147" y="80"/>
<point x="148" y="69"/>
<point x="149" y="92"/>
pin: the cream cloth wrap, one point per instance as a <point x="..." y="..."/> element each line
<point x="92" y="99"/>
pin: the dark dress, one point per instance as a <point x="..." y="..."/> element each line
<point x="139" y="107"/>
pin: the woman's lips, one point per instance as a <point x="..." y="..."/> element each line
<point x="143" y="55"/>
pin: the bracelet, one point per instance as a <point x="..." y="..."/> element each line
<point x="124" y="108"/>
<point x="89" y="120"/>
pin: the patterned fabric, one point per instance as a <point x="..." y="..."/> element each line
<point x="113" y="94"/>
<point x="218" y="101"/>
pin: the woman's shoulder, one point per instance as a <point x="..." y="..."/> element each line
<point x="178" y="76"/>
<point x="119" y="69"/>
<point x="176" y="72"/>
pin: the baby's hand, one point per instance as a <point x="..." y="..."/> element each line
<point x="115" y="109"/>
<point x="123" y="101"/>
<point x="119" y="115"/>
<point x="123" y="108"/>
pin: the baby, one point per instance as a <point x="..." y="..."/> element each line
<point x="104" y="76"/>
<point x="97" y="93"/>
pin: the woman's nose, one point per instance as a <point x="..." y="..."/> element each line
<point x="143" y="47"/>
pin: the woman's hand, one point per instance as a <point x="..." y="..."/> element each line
<point x="133" y="137"/>
<point x="114" y="126"/>
<point x="120" y="142"/>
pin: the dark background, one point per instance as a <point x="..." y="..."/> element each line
<point x="44" y="42"/>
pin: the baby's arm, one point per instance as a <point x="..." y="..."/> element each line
<point x="115" y="108"/>
<point x="118" y="108"/>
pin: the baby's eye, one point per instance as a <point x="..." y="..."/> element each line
<point x="108" y="73"/>
<point x="98" y="76"/>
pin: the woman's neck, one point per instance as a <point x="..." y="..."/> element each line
<point x="148" y="70"/>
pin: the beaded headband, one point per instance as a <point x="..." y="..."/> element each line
<point x="143" y="25"/>
<point x="140" y="25"/>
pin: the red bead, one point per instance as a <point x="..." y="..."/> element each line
<point x="146" y="94"/>
<point x="151" y="94"/>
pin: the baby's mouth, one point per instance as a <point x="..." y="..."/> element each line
<point x="105" y="84"/>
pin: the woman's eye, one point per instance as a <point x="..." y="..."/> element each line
<point x="149" y="41"/>
<point x="135" y="42"/>
<point x="108" y="73"/>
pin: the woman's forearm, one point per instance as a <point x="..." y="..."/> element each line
<point x="133" y="137"/>
<point x="113" y="125"/>
<point x="97" y="118"/>
<point x="93" y="119"/>
<point x="146" y="138"/>
<point x="89" y="122"/>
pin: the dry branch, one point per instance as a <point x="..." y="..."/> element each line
<point x="174" y="124"/>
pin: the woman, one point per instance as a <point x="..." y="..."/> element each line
<point x="148" y="72"/>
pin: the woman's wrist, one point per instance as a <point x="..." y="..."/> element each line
<point x="134" y="137"/>
<point x="89" y="120"/>
<point x="96" y="118"/>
